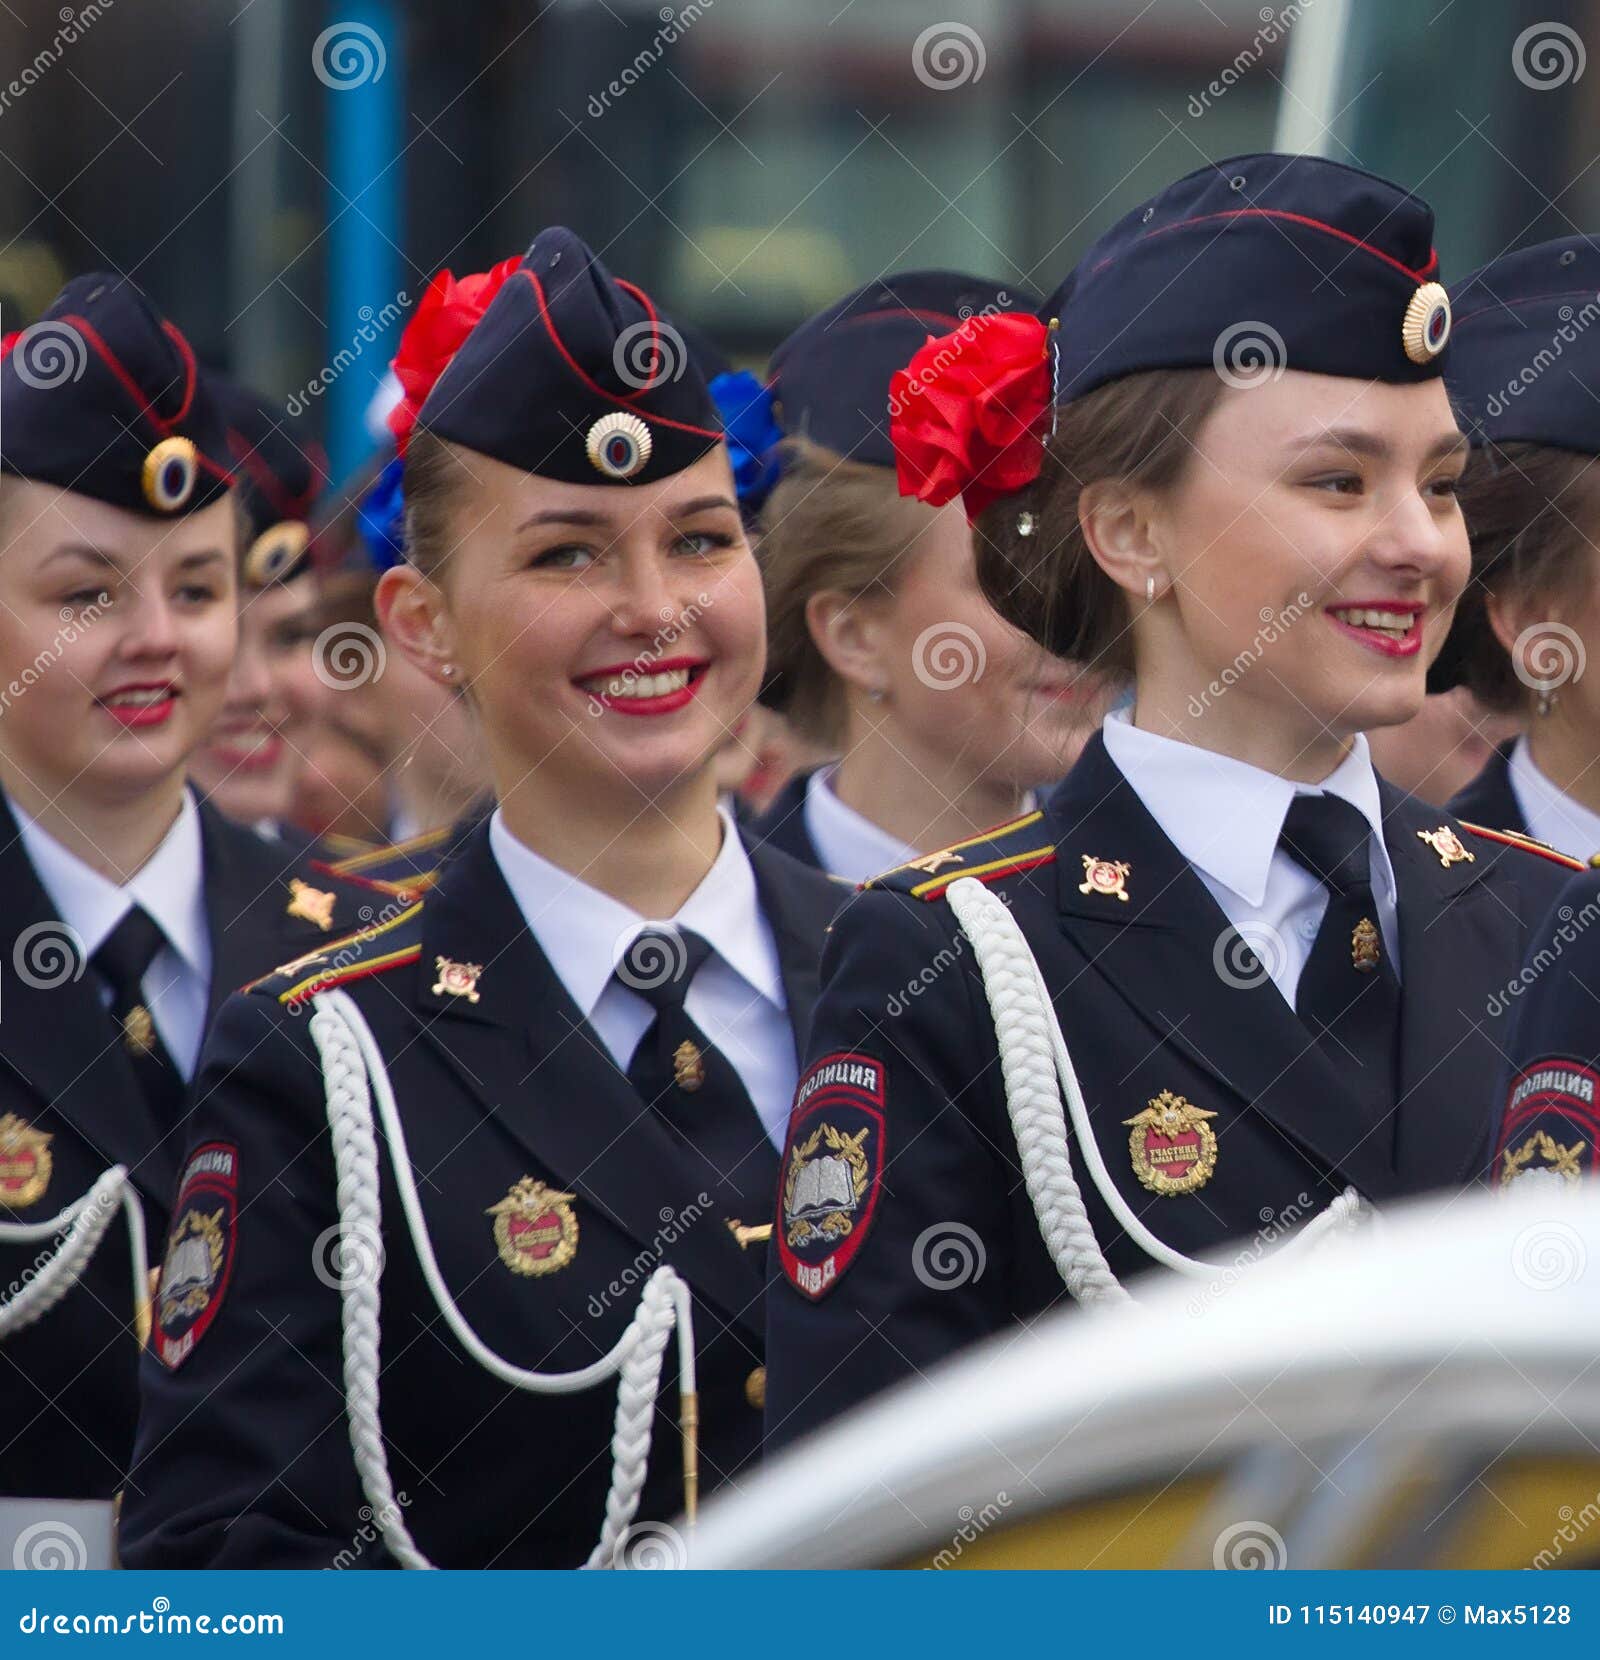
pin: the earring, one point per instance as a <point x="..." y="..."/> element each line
<point x="1149" y="589"/>
<point x="1547" y="700"/>
<point x="877" y="694"/>
<point x="448" y="670"/>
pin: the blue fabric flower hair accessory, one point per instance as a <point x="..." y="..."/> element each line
<point x="750" y="425"/>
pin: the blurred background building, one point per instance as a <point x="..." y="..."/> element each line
<point x="285" y="175"/>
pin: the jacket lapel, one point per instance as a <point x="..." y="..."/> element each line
<point x="247" y="898"/>
<point x="59" y="1037"/>
<point x="783" y="825"/>
<point x="537" y="1068"/>
<point x="799" y="913"/>
<point x="1181" y="967"/>
<point x="1451" y="922"/>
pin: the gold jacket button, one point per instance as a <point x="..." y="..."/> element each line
<point x="755" y="1388"/>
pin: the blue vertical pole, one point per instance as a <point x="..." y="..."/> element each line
<point x="358" y="58"/>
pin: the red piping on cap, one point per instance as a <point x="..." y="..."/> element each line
<point x="131" y="386"/>
<point x="1298" y="219"/>
<point x="289" y="505"/>
<point x="599" y="391"/>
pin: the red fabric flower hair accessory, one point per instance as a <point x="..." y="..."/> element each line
<point x="967" y="414"/>
<point x="445" y="315"/>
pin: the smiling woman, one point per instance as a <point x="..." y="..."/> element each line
<point x="583" y="1040"/>
<point x="134" y="907"/>
<point x="1266" y="962"/>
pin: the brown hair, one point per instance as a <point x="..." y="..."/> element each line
<point x="829" y="524"/>
<point x="1139" y="429"/>
<point x="1530" y="509"/>
<point x="434" y="475"/>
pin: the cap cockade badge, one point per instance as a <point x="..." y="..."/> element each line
<point x="1426" y="327"/>
<point x="619" y="445"/>
<point x="170" y="473"/>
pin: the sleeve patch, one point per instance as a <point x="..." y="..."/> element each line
<point x="200" y="1250"/>
<point x="1552" y="1123"/>
<point x="832" y="1171"/>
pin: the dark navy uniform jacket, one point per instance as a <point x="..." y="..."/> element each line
<point x="900" y="1122"/>
<point x="68" y="1389"/>
<point x="783" y="824"/>
<point x="244" y="1452"/>
<point x="1549" y="1103"/>
<point x="1489" y="799"/>
<point x="412" y="865"/>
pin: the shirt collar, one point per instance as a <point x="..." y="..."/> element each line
<point x="848" y="844"/>
<point x="1552" y="815"/>
<point x="1224" y="815"/>
<point x="585" y="932"/>
<point x="170" y="885"/>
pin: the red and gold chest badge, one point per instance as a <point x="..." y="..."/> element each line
<point x="1174" y="1149"/>
<point x="200" y="1251"/>
<point x="1448" y="845"/>
<point x="832" y="1171"/>
<point x="535" y="1228"/>
<point x="25" y="1163"/>
<point x="1551" y="1129"/>
<point x="1105" y="876"/>
<point x="310" y="904"/>
<point x="456" y="979"/>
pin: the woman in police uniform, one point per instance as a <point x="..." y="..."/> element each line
<point x="944" y="717"/>
<point x="582" y="1098"/>
<point x="1270" y="967"/>
<point x="134" y="908"/>
<point x="1530" y="618"/>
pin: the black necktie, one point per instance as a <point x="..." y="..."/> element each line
<point x="689" y="1083"/>
<point x="122" y="962"/>
<point x="1349" y="996"/>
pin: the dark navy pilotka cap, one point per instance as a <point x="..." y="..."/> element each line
<point x="1525" y="364"/>
<point x="1338" y="264"/>
<point x="831" y="376"/>
<point x="574" y="374"/>
<point x="279" y="475"/>
<point x="102" y="396"/>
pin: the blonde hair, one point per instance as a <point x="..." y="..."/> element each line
<point x="831" y="524"/>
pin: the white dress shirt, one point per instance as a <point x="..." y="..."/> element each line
<point x="1550" y="814"/>
<point x="737" y="999"/>
<point x="848" y="844"/>
<point x="1225" y="816"/>
<point x="170" y="885"/>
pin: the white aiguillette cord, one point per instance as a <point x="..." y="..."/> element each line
<point x="1035" y="1065"/>
<point x="84" y="1223"/>
<point x="350" y="1057"/>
